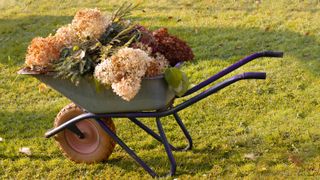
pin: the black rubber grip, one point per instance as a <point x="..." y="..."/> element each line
<point x="273" y="54"/>
<point x="254" y="75"/>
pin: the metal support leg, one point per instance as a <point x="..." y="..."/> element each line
<point x="185" y="132"/>
<point x="158" y="138"/>
<point x="149" y="131"/>
<point x="173" y="163"/>
<point x="126" y="148"/>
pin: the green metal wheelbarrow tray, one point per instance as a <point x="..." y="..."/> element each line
<point x="84" y="129"/>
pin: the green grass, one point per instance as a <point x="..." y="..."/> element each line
<point x="278" y="119"/>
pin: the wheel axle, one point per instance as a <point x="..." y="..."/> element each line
<point x="73" y="128"/>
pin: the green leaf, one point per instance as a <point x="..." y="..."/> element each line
<point x="177" y="80"/>
<point x="65" y="52"/>
<point x="173" y="76"/>
<point x="75" y="48"/>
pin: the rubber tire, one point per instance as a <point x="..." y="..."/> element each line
<point x="83" y="150"/>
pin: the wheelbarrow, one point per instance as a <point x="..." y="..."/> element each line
<point x="85" y="131"/>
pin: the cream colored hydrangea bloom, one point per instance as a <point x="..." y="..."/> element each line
<point x="127" y="88"/>
<point x="90" y="23"/>
<point x="124" y="71"/>
<point x="103" y="73"/>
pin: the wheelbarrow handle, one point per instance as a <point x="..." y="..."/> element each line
<point x="214" y="89"/>
<point x="254" y="75"/>
<point x="232" y="68"/>
<point x="273" y="54"/>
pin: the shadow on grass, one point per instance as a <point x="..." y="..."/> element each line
<point x="34" y="157"/>
<point x="198" y="160"/>
<point x="25" y="124"/>
<point x="207" y="43"/>
<point x="160" y="163"/>
<point x="245" y="6"/>
<point x="16" y="34"/>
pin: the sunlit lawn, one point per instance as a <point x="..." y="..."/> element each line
<point x="253" y="128"/>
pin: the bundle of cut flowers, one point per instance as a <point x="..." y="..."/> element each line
<point x="112" y="50"/>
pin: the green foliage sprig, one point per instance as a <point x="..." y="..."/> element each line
<point x="116" y="37"/>
<point x="123" y="11"/>
<point x="78" y="61"/>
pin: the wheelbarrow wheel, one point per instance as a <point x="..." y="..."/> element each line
<point x="96" y="145"/>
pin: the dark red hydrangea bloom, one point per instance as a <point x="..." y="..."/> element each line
<point x="146" y="39"/>
<point x="173" y="48"/>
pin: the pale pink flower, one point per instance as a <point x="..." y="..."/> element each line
<point x="90" y="23"/>
<point x="67" y="35"/>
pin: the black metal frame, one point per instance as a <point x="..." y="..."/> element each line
<point x="161" y="137"/>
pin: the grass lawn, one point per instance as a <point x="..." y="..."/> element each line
<point x="275" y="122"/>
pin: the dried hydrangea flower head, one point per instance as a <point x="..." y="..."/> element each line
<point x="103" y="73"/>
<point x="90" y="23"/>
<point x="173" y="48"/>
<point x="133" y="61"/>
<point x="67" y="35"/>
<point x="43" y="51"/>
<point x="146" y="39"/>
<point x="157" y="66"/>
<point x="124" y="71"/>
<point x="127" y="88"/>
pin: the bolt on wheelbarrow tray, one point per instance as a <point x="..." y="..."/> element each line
<point x="154" y="94"/>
